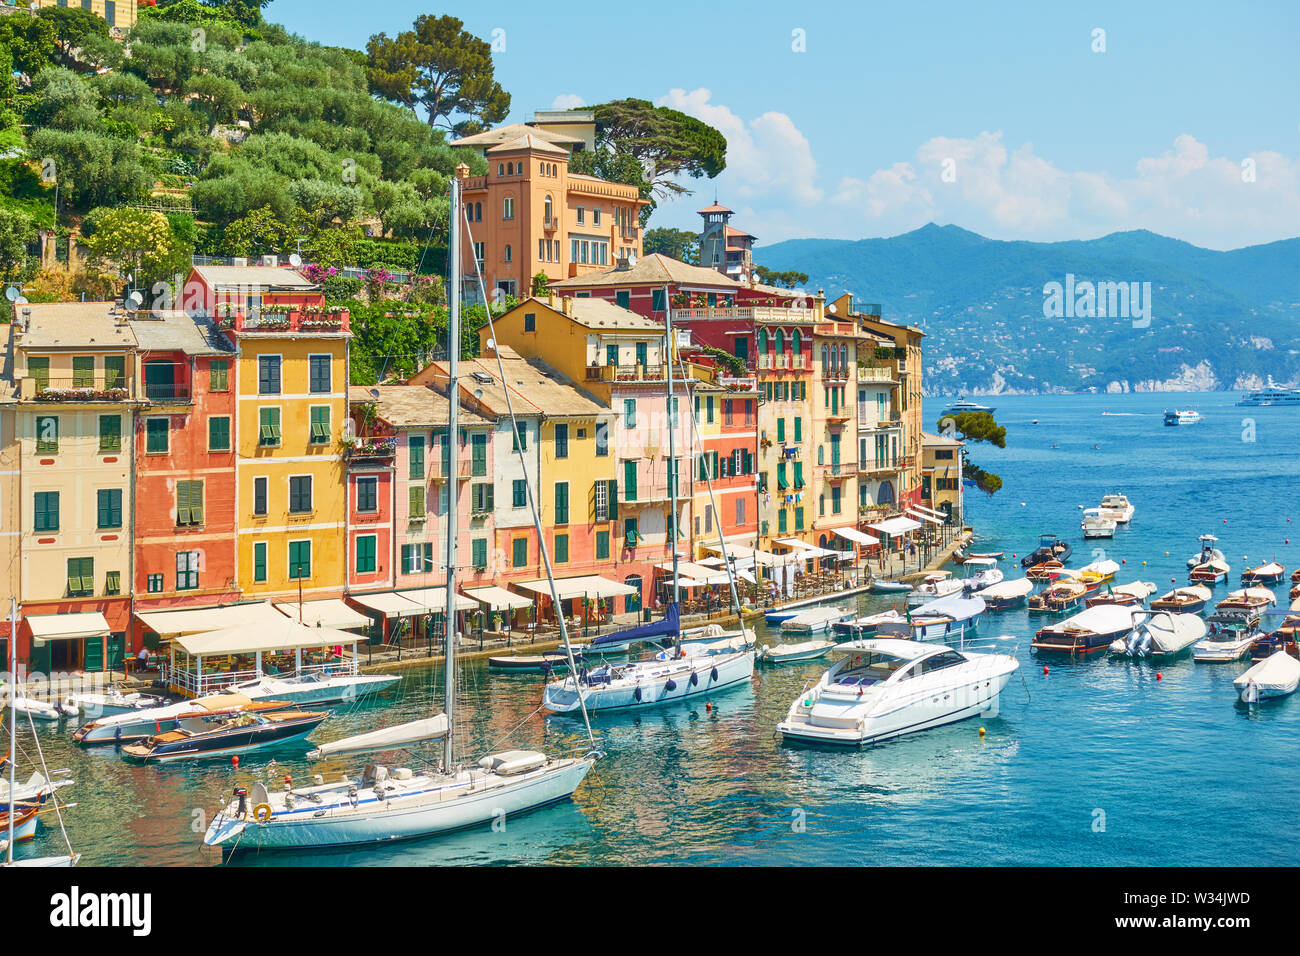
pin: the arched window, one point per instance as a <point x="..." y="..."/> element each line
<point x="821" y="455"/>
<point x="779" y="339"/>
<point x="509" y="254"/>
<point x="796" y="342"/>
<point x="501" y="169"/>
<point x="762" y="340"/>
<point x="546" y="206"/>
<point x="844" y="358"/>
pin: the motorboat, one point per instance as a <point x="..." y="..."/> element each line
<point x="936" y="584"/>
<point x="1094" y="575"/>
<point x="1059" y="598"/>
<point x="1270" y="573"/>
<point x="139" y="724"/>
<point x="536" y="663"/>
<point x="1182" y="416"/>
<point x="1126" y="595"/>
<point x="1097" y="525"/>
<point x="949" y="618"/>
<point x="1211" y="572"/>
<point x="1271" y="395"/>
<point x="1050" y="548"/>
<point x="880" y="586"/>
<point x="788" y="653"/>
<point x="1248" y="599"/>
<point x="1117" y="506"/>
<point x="981" y="573"/>
<point x="780" y="615"/>
<point x="201" y="737"/>
<point x="1276" y="676"/>
<point x="1188" y="600"/>
<point x="1006" y="594"/>
<point x="815" y="620"/>
<point x="1229" y="637"/>
<point x="960" y="557"/>
<point x="885" y="688"/>
<point x="1092" y="629"/>
<point x="868" y="625"/>
<point x="313" y="687"/>
<point x="1207" y="553"/>
<point x="1160" y="634"/>
<point x="1267" y="644"/>
<point x="114" y="702"/>
<point x="963" y="404"/>
<point x="1048" y="571"/>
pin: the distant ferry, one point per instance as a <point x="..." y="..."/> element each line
<point x="962" y="405"/>
<point x="1182" y="417"/>
<point x="1273" y="395"/>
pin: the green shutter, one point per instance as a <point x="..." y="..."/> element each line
<point x="415" y="501"/>
<point x="629" y="479"/>
<point x="219" y="433"/>
<point x="110" y="433"/>
<point x="218" y="375"/>
<point x="259" y="561"/>
<point x="602" y="545"/>
<point x="415" y="449"/>
<point x="320" y="425"/>
<point x="780" y="430"/>
<point x="798" y="429"/>
<point x="479" y="549"/>
<point x="561" y="502"/>
<point x="561" y="549"/>
<point x="519" y="552"/>
<point x="613" y="500"/>
<point x="83" y="371"/>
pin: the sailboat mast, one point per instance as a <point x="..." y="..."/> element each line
<point x="672" y="454"/>
<point x="13" y="719"/>
<point x="453" y="403"/>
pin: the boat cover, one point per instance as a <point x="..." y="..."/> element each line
<point x="668" y="626"/>
<point x="428" y="728"/>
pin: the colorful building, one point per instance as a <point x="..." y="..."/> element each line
<point x="120" y="14"/>
<point x="941" y="475"/>
<point x="723" y="247"/>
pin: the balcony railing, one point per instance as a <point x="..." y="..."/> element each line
<point x="464" y="469"/>
<point x="304" y="320"/>
<point x="837" y="469"/>
<point x="870" y="373"/>
<point x="626" y="373"/>
<point x="74" y="389"/>
<point x="167" y="392"/>
<point x="371" y="449"/>
<point x="756" y="313"/>
<point x="872" y="422"/>
<point x="873" y="467"/>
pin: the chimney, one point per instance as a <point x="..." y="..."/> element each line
<point x="462" y="171"/>
<point x="566" y="305"/>
<point x="550" y="298"/>
<point x="622" y="264"/>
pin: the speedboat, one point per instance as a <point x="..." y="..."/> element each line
<point x="1271" y="395"/>
<point x="815" y="620"/>
<point x="965" y="405"/>
<point x="1117" y="506"/>
<point x="869" y="625"/>
<point x="1208" y="551"/>
<point x="1097" y="525"/>
<point x="1094" y="575"/>
<point x="139" y="724"/>
<point x="314" y="687"/>
<point x="1006" y="594"/>
<point x="981" y="573"/>
<point x="1159" y="634"/>
<point x="1189" y="600"/>
<point x="1247" y="599"/>
<point x="1229" y="637"/>
<point x="1211" y="572"/>
<point x="1181" y="416"/>
<point x="787" y="653"/>
<point x="947" y="619"/>
<point x="886" y="688"/>
<point x="115" y="702"/>
<point x="1126" y="595"/>
<point x="201" y="736"/>
<point x="936" y="584"/>
<point x="1275" y="676"/>
<point x="1092" y="629"/>
<point x="1270" y="573"/>
<point x="543" y="663"/>
<point x="1060" y="597"/>
<point x="879" y="586"/>
<point x="1050" y="548"/>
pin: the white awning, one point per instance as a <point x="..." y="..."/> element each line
<point x="498" y="598"/>
<point x="286" y="635"/>
<point x="928" y="511"/>
<point x="389" y="604"/>
<point x="740" y="552"/>
<point x="588" y="585"/>
<point x="173" y="624"/>
<point x="796" y="543"/>
<point x="435" y="599"/>
<point x="66" y="627"/>
<point x="924" y="517"/>
<point x="895" y="526"/>
<point x="328" y="613"/>
<point x="704" y="576"/>
<point x="856" y="536"/>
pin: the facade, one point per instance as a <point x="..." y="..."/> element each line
<point x="941" y="475"/>
<point x="723" y="247"/>
<point x="835" y="432"/>
<point x="120" y="14"/>
<point x="725" y="494"/>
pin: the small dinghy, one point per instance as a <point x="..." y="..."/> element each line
<point x="1275" y="676"/>
<point x="1270" y="573"/>
<point x="889" y="587"/>
<point x="534" y="663"/>
<point x="1006" y="594"/>
<point x="815" y="620"/>
<point x="1211" y="572"/>
<point x="785" y="653"/>
<point x="44" y="709"/>
<point x="24" y="820"/>
<point x="1160" y="634"/>
<point x="1187" y="600"/>
<point x="1047" y="571"/>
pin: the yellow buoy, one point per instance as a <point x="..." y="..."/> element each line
<point x="981" y="731"/>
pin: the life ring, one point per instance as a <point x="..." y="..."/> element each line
<point x="259" y="815"/>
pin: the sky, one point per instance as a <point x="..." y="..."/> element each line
<point x="1043" y="121"/>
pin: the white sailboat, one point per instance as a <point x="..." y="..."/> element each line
<point x="382" y="804"/>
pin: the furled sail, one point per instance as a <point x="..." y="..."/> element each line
<point x="428" y="728"/>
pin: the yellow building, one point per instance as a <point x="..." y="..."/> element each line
<point x="120" y="14"/>
<point x="941" y="477"/>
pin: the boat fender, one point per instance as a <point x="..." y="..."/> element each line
<point x="695" y="678"/>
<point x="636" y="694"/>
<point x="670" y="685"/>
<point x="713" y="674"/>
<point x="117" y="732"/>
<point x="262" y="812"/>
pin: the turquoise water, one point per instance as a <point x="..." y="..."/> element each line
<point x="1097" y="762"/>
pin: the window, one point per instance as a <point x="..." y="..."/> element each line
<point x="114" y="371"/>
<point x="189" y="503"/>
<point x="629" y="413"/>
<point x="417" y="559"/>
<point x="318" y="373"/>
<point x="602" y="439"/>
<point x="366" y="547"/>
<point x="519" y="438"/>
<point x="519" y="493"/>
<point x="299" y="494"/>
<point x="259" y="561"/>
<point x="623" y="299"/>
<point x="631" y="533"/>
<point x="47" y="511"/>
<point x="259" y="496"/>
<point x="508" y="208"/>
<point x="602" y="545"/>
<point x="595" y="217"/>
<point x="109" y="508"/>
<point x="478" y="455"/>
<point x="219" y="433"/>
<point x="415" y="502"/>
<point x="368" y="495"/>
<point x="81" y="577"/>
<point x="218" y="375"/>
<point x="519" y="552"/>
<point x="658" y="301"/>
<point x="268" y="427"/>
<point x="154" y="583"/>
<point x="187" y="570"/>
<point x="561" y="502"/>
<point x="38" y="367"/>
<point x="478" y="553"/>
<point x="740" y="511"/>
<point x="320" y="425"/>
<point x="582" y="215"/>
<point x="47" y="434"/>
<point x="561" y="441"/>
<point x="110" y="432"/>
<point x="268" y="375"/>
<point x="299" y="560"/>
<point x="481" y="495"/>
<point x="157" y="435"/>
<point x="83" y="371"/>
<point x="530" y="321"/>
<point x="561" y="549"/>
<point x="415" y="456"/>
<point x="547" y="207"/>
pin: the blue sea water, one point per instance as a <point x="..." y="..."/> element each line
<point x="1095" y="762"/>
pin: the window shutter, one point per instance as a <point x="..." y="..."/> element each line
<point x="416" y="501"/>
<point x="613" y="499"/>
<point x="196" y="502"/>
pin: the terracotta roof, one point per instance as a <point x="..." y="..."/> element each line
<point x="929" y="440"/>
<point x="529" y="141"/>
<point x="513" y="131"/>
<point x="654" y="269"/>
<point x="264" y="277"/>
<point x="740" y="233"/>
<point x="178" y="332"/>
<point x="412" y="406"/>
<point x="714" y="208"/>
<point x="541" y="388"/>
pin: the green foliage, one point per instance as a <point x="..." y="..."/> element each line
<point x="134" y="240"/>
<point x="93" y="169"/>
<point x="729" y="362"/>
<point x="17" y="229"/>
<point x="789" y="279"/>
<point x="541" y="284"/>
<point x="257" y="233"/>
<point x="664" y="143"/>
<point x="32" y="41"/>
<point x="74" y="29"/>
<point x="440" y="67"/>
<point x="978" y="426"/>
<point x="341" y="288"/>
<point x="63" y="101"/>
<point x="679" y="244"/>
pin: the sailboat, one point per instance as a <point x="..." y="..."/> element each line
<point x="684" y="670"/>
<point x="20" y="818"/>
<point x="382" y="805"/>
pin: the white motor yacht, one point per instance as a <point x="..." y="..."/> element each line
<point x="981" y="573"/>
<point x="936" y="584"/>
<point x="887" y="687"/>
<point x="1117" y="506"/>
<point x="1097" y="525"/>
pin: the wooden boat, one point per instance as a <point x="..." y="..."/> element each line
<point x="1211" y="572"/>
<point x="1060" y="597"/>
<point x="201" y="737"/>
<point x="786" y="653"/>
<point x="1006" y="594"/>
<point x="139" y="724"/>
<point x="1094" y="629"/>
<point x="1126" y="595"/>
<point x="542" y="663"/>
<point x="1187" y="600"/>
<point x="1047" y="571"/>
<point x="1094" y="575"/>
<point x="814" y="620"/>
<point x="1248" y="599"/>
<point x="1270" y="573"/>
<point x="25" y="819"/>
<point x="1050" y="548"/>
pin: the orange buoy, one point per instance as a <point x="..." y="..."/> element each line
<point x="708" y="707"/>
<point x="1045" y="670"/>
<point x="235" y="760"/>
<point x="1159" y="676"/>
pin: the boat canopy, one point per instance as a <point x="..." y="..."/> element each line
<point x="283" y="635"/>
<point x="589" y="585"/>
<point x="981" y="562"/>
<point x="954" y="606"/>
<point x="856" y="536"/>
<point x="1005" y="590"/>
<point x="668" y="626"/>
<point x="330" y="612"/>
<point x="415" y="731"/>
<point x="1138" y="589"/>
<point x="1099" y="619"/>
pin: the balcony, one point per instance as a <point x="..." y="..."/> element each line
<point x="837" y="470"/>
<point x="552" y="224"/>
<point x="886" y="466"/>
<point x="869" y="421"/>
<point x="167" y="393"/>
<point x="464" y="471"/>
<point x="774" y="315"/>
<point x="72" y="389"/>
<point x="626" y="373"/>
<point x="874" y="373"/>
<point x="371" y="449"/>
<point x="835" y="373"/>
<point x="301" y="320"/>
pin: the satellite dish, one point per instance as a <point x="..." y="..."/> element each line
<point x="134" y="300"/>
<point x="21" y="300"/>
<point x="295" y="260"/>
<point x="374" y="393"/>
<point x="631" y="258"/>
<point x="12" y="293"/>
<point x="492" y="344"/>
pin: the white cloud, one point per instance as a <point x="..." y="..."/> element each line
<point x="567" y="101"/>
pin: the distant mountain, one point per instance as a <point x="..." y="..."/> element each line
<point x="1218" y="320"/>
